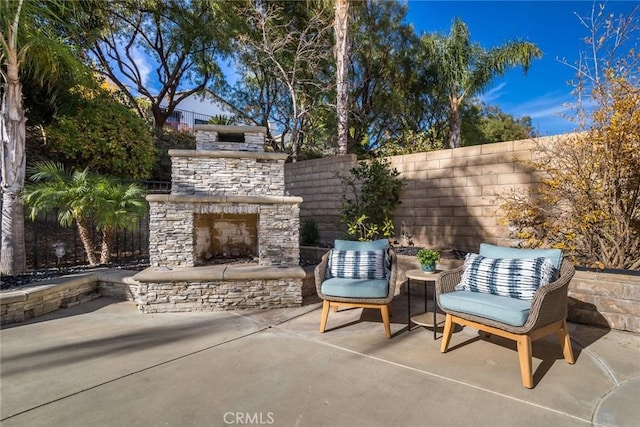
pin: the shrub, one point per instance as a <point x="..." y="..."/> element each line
<point x="588" y="203"/>
<point x="371" y="193"/>
<point x="309" y="232"/>
<point x="103" y="136"/>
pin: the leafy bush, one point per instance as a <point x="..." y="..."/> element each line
<point x="371" y="193"/>
<point x="103" y="136"/>
<point x="588" y="203"/>
<point x="309" y="232"/>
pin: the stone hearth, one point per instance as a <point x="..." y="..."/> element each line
<point x="227" y="201"/>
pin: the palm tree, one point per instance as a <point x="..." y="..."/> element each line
<point x="118" y="206"/>
<point x="28" y="44"/>
<point x="80" y="197"/>
<point x="341" y="25"/>
<point x="465" y="69"/>
<point x="73" y="194"/>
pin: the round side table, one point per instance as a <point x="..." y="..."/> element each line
<point x="429" y="318"/>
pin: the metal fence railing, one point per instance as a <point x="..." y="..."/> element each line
<point x="42" y="234"/>
<point x="185" y="120"/>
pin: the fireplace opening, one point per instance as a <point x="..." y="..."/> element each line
<point x="231" y="136"/>
<point x="225" y="238"/>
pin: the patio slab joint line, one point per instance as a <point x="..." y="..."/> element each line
<point x="148" y="368"/>
<point x="431" y="374"/>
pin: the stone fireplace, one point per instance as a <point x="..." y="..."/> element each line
<point x="227" y="218"/>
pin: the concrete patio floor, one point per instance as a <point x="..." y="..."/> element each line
<point x="105" y="364"/>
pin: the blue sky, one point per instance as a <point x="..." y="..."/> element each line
<point x="552" y="25"/>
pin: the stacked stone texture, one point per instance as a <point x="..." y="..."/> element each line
<point x="208" y="138"/>
<point x="224" y="178"/>
<point x="605" y="299"/>
<point x="171" y="239"/>
<point x="219" y="295"/>
<point x="202" y="175"/>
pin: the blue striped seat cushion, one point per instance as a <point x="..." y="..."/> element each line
<point x="515" y="278"/>
<point x="347" y="264"/>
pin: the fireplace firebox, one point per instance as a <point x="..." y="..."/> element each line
<point x="225" y="237"/>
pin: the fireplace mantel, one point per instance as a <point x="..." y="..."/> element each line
<point x="219" y="272"/>
<point x="224" y="198"/>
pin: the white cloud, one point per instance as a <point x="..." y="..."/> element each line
<point x="141" y="61"/>
<point x="492" y="94"/>
<point x="550" y="113"/>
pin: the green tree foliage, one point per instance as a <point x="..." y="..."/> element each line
<point x="484" y="124"/>
<point x="81" y="197"/>
<point x="465" y="69"/>
<point x="102" y="135"/>
<point x="165" y="140"/>
<point x="393" y="92"/>
<point x="589" y="201"/>
<point x="371" y="193"/>
<point x="185" y="39"/>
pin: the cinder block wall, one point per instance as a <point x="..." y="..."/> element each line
<point x="316" y="181"/>
<point x="449" y="199"/>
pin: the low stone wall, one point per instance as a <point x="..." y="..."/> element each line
<point x="219" y="287"/>
<point x="172" y="297"/>
<point x="309" y="282"/>
<point x="119" y="284"/>
<point x="63" y="292"/>
<point x="610" y="300"/>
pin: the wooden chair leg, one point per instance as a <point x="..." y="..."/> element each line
<point x="565" y="342"/>
<point x="384" y="310"/>
<point x="524" y="355"/>
<point x="446" y="333"/>
<point x="325" y="315"/>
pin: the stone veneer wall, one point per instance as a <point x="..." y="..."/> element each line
<point x="605" y="299"/>
<point x="63" y="292"/>
<point x="227" y="172"/>
<point x="208" y="138"/>
<point x="216" y="182"/>
<point x="219" y="295"/>
<point x="171" y="238"/>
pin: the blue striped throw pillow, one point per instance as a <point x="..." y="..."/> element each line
<point x="515" y="278"/>
<point x="357" y="264"/>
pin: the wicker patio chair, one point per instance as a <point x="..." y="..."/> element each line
<point x="335" y="302"/>
<point x="547" y="315"/>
